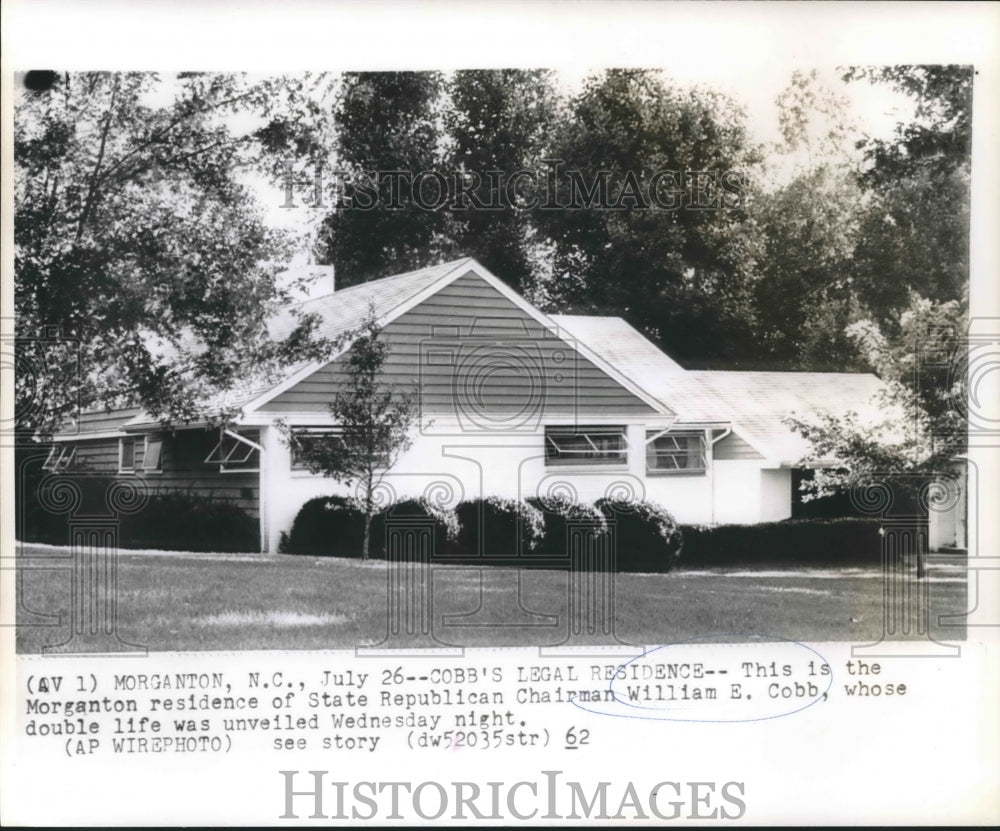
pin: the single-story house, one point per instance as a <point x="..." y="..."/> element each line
<point x="513" y="402"/>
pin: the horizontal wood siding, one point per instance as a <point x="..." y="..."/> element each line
<point x="184" y="469"/>
<point x="732" y="447"/>
<point x="469" y="346"/>
<point x="98" y="455"/>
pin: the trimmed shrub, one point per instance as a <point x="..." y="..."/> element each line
<point x="328" y="526"/>
<point x="647" y="539"/>
<point x="789" y="543"/>
<point x="44" y="505"/>
<point x="497" y="529"/>
<point x="333" y="526"/>
<point x="443" y="522"/>
<point x="557" y="513"/>
<point x="190" y="522"/>
<point x="175" y="520"/>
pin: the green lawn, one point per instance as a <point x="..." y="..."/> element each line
<point x="179" y="601"/>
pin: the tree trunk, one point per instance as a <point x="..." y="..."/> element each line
<point x="368" y="530"/>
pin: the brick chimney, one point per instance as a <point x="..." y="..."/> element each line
<point x="307" y="282"/>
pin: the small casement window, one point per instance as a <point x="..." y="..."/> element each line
<point x="59" y="457"/>
<point x="152" y="459"/>
<point x="235" y="453"/>
<point x="126" y="454"/>
<point x="310" y="439"/>
<point x="675" y="452"/>
<point x="585" y="446"/>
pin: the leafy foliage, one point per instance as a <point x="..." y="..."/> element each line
<point x="788" y="544"/>
<point x="923" y="428"/>
<point x="909" y="277"/>
<point x="327" y="526"/>
<point x="915" y="236"/>
<point x="557" y="514"/>
<point x="498" y="528"/>
<point x="385" y="121"/>
<point x="682" y="276"/>
<point x="136" y="240"/>
<point x="170" y="520"/>
<point x="499" y="120"/>
<point x="647" y="536"/>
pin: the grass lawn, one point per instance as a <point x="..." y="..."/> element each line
<point x="180" y="601"/>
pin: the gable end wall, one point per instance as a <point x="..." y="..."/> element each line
<point x="468" y="345"/>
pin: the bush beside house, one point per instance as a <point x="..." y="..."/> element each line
<point x="333" y="526"/>
<point x="789" y="543"/>
<point x="182" y="521"/>
<point x="497" y="529"/>
<point x="173" y="521"/>
<point x="647" y="538"/>
<point x="492" y="530"/>
<point x="328" y="526"/>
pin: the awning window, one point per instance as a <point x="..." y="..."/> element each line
<point x="235" y="452"/>
<point x="152" y="460"/>
<point x="585" y="445"/>
<point x="675" y="452"/>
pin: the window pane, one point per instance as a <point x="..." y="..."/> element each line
<point x="233" y="454"/>
<point x="675" y="452"/>
<point x="128" y="454"/>
<point x="590" y="445"/>
<point x="151" y="461"/>
<point x="313" y="440"/>
<point x="51" y="461"/>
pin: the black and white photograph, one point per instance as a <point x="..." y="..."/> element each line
<point x="654" y="392"/>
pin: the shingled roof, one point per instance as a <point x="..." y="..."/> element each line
<point x="339" y="312"/>
<point x="753" y="403"/>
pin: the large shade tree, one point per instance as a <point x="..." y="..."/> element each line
<point x="144" y="270"/>
<point x="385" y="123"/>
<point x="915" y="236"/>
<point x="499" y="121"/>
<point x="680" y="269"/>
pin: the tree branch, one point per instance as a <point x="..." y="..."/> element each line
<point x="92" y="187"/>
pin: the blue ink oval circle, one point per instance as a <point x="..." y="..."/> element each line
<point x="787" y="678"/>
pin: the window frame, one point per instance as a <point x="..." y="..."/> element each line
<point x="242" y="440"/>
<point x="652" y="436"/>
<point x="145" y="456"/>
<point x="121" y="454"/>
<point x="56" y="463"/>
<point x="618" y="460"/>
<point x="300" y="467"/>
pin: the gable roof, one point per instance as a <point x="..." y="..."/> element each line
<point x="756" y="403"/>
<point x="753" y="403"/>
<point x="619" y="343"/>
<point x="344" y="309"/>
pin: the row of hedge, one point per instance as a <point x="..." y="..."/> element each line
<point x="530" y="533"/>
<point x="846" y="541"/>
<point x="174" y="520"/>
<point x="495" y="531"/>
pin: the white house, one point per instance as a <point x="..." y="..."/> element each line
<point x="513" y="402"/>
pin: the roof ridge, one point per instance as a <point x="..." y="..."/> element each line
<point x="445" y="265"/>
<point x="783" y="372"/>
